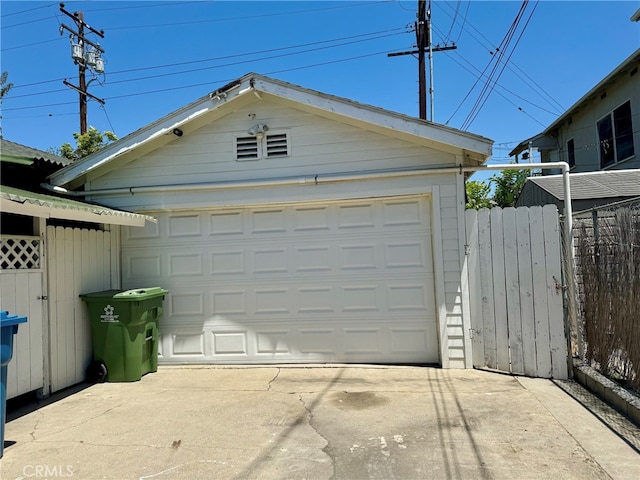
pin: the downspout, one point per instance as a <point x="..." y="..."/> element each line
<point x="330" y="178"/>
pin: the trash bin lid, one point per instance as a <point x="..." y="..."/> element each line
<point x="141" y="294"/>
<point x="97" y="296"/>
<point x="7" y="320"/>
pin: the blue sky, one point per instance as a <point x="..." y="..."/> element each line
<point x="161" y="56"/>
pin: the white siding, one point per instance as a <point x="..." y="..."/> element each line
<point x="318" y="146"/>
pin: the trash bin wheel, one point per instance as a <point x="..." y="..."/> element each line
<point x="96" y="372"/>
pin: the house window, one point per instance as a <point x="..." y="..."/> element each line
<point x="270" y="145"/>
<point x="571" y="153"/>
<point x="615" y="136"/>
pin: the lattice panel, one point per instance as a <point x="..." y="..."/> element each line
<point x="20" y="253"/>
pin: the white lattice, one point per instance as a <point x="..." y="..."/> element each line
<point x="20" y="253"/>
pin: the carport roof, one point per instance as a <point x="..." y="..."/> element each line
<point x="16" y="153"/>
<point x="22" y="202"/>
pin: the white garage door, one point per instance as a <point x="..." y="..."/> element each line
<point x="349" y="281"/>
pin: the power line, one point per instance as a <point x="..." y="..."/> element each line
<point x="28" y="10"/>
<point x="132" y="7"/>
<point x="390" y="32"/>
<point x="29" y="22"/>
<point x="453" y="22"/>
<point x="30" y="44"/>
<point x="491" y="48"/>
<point x="507" y="90"/>
<point x="249" y="17"/>
<point x="208" y="83"/>
<point x="489" y="86"/>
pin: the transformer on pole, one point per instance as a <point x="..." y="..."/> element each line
<point x="87" y="55"/>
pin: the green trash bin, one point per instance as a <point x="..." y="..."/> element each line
<point x="124" y="333"/>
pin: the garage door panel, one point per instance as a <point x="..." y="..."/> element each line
<point x="346" y="282"/>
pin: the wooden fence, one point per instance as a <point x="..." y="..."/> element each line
<point x="515" y="289"/>
<point x="80" y="261"/>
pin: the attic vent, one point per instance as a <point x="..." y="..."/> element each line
<point x="246" y="148"/>
<point x="277" y="145"/>
<point x="254" y="147"/>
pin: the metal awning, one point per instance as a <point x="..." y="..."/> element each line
<point x="22" y="202"/>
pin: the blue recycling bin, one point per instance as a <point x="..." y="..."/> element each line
<point x="8" y="328"/>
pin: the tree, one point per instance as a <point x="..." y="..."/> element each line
<point x="4" y="86"/>
<point x="478" y="194"/>
<point x="508" y="185"/>
<point x="4" y="89"/>
<point x="87" y="143"/>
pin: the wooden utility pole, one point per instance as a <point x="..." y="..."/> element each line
<point x="424" y="45"/>
<point x="85" y="58"/>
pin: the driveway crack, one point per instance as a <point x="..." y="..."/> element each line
<point x="273" y="379"/>
<point x="313" y="425"/>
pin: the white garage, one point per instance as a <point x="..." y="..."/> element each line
<point x="348" y="281"/>
<point x="294" y="227"/>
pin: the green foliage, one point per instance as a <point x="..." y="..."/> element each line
<point x="508" y="185"/>
<point x="478" y="194"/>
<point x="4" y="89"/>
<point x="87" y="143"/>
<point x="4" y="86"/>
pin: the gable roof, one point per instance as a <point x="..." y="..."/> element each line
<point x="474" y="148"/>
<point x="591" y="185"/>
<point x="538" y="140"/>
<point x="16" y="153"/>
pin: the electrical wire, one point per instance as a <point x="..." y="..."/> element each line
<point x="249" y="17"/>
<point x="489" y="86"/>
<point x="510" y="92"/>
<point x="464" y="21"/>
<point x="453" y="22"/>
<point x="391" y="32"/>
<point x="488" y="44"/>
<point x="28" y="10"/>
<point x="102" y="107"/>
<point x="208" y="83"/>
<point x="6" y="27"/>
<point x="495" y="61"/>
<point x="30" y="44"/>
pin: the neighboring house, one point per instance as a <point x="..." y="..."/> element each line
<point x="51" y="250"/>
<point x="601" y="131"/>
<point x="588" y="190"/>
<point x="294" y="226"/>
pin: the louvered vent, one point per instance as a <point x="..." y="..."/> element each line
<point x="246" y="148"/>
<point x="277" y="145"/>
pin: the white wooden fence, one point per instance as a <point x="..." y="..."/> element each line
<point x="515" y="289"/>
<point x="80" y="261"/>
<point x="21" y="272"/>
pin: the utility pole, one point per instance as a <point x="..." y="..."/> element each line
<point x="85" y="54"/>
<point x="424" y="45"/>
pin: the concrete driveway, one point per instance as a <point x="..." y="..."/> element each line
<point x="341" y="422"/>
